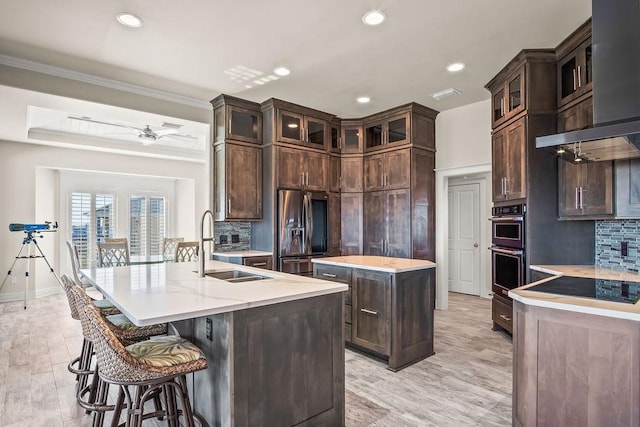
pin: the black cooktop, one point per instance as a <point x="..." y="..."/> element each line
<point x="600" y="289"/>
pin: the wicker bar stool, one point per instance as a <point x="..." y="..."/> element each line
<point x="158" y="364"/>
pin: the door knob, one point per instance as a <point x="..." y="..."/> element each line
<point x="475" y="245"/>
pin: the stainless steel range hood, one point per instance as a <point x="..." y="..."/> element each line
<point x="616" y="88"/>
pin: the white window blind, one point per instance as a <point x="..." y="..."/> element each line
<point x="92" y="221"/>
<point x="147" y="222"/>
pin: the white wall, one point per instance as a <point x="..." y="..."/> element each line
<point x="463" y="143"/>
<point x="30" y="192"/>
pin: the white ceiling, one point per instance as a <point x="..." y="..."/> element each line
<point x="188" y="47"/>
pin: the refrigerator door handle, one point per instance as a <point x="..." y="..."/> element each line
<point x="308" y="223"/>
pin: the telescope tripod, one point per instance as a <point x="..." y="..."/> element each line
<point x="27" y="242"/>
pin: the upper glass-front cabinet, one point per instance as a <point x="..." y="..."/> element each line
<point x="575" y="73"/>
<point x="300" y="129"/>
<point x="352" y="136"/>
<point x="237" y="123"/>
<point x="394" y="130"/>
<point x="508" y="99"/>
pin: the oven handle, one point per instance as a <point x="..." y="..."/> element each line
<point x="506" y="251"/>
<point x="506" y="218"/>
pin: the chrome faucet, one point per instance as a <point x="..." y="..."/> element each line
<point x="211" y="238"/>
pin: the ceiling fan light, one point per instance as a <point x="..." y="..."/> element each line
<point x="146" y="139"/>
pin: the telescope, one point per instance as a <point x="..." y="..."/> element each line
<point x="47" y="226"/>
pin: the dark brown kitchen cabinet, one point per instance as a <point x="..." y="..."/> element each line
<point x="295" y="128"/>
<point x="334" y="224"/>
<point x="508" y="99"/>
<point x="264" y="262"/>
<point x="351" y="174"/>
<point x="574" y="69"/>
<point x="627" y="188"/>
<point x="236" y="119"/>
<point x="341" y="275"/>
<point x="352" y="136"/>
<point x="351" y="223"/>
<point x="578" y="116"/>
<point x="585" y="189"/>
<point x="334" y="173"/>
<point x="334" y="136"/>
<point x="387" y="170"/>
<point x="509" y="172"/>
<point x="387" y="218"/>
<point x="237" y="182"/>
<point x="301" y="169"/>
<point x="387" y="132"/>
<point x="371" y="298"/>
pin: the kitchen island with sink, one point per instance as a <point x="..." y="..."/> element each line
<point x="274" y="342"/>
<point x="576" y="347"/>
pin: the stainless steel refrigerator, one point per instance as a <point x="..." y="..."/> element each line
<point x="302" y="229"/>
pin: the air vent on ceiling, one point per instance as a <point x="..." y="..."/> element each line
<point x="445" y="93"/>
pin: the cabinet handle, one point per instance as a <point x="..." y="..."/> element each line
<point x="329" y="275"/>
<point x="386" y="180"/>
<point x="229" y="206"/>
<point x="576" y="197"/>
<point x="579" y="79"/>
<point x="575" y="86"/>
<point x="504" y="317"/>
<point x="581" y="198"/>
<point x="306" y="178"/>
<point x="381" y="180"/>
<point x="302" y="179"/>
<point x="364" y="310"/>
<point x="259" y="264"/>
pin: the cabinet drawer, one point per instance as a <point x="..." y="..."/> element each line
<point x="333" y="273"/>
<point x="264" y="262"/>
<point x="502" y="312"/>
<point x="347" y="314"/>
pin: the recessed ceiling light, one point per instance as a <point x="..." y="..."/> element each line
<point x="375" y="17"/>
<point x="281" y="71"/>
<point x="129" y="20"/>
<point x="363" y="99"/>
<point x="456" y="66"/>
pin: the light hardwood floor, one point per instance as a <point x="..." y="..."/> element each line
<point x="466" y="383"/>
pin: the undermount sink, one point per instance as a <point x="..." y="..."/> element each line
<point x="235" y="276"/>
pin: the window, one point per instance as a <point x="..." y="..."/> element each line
<point x="92" y="221"/>
<point x="146" y="225"/>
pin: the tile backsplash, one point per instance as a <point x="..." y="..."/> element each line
<point x="228" y="230"/>
<point x="609" y="238"/>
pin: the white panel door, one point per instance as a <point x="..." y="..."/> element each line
<point x="464" y="238"/>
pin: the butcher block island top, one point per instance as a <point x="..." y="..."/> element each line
<point x="377" y="263"/>
<point x="606" y="279"/>
<point x="158" y="293"/>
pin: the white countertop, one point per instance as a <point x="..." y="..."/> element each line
<point x="158" y="293"/>
<point x="376" y="263"/>
<point x="577" y="304"/>
<point x="243" y="254"/>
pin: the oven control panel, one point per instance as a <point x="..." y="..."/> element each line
<point x="509" y="210"/>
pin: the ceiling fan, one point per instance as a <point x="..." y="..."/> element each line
<point x="146" y="134"/>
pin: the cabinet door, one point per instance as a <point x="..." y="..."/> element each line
<point x="569" y="181"/>
<point x="290" y="168"/>
<point x="351" y="175"/>
<point x="498" y="164"/>
<point x="335" y="138"/>
<point x="334" y="224"/>
<point x="627" y="188"/>
<point x="351" y="223"/>
<point x="398" y="130"/>
<point x="398" y="223"/>
<point x="243" y="182"/>
<point x="352" y="139"/>
<point x="374" y="172"/>
<point x="516" y="160"/>
<point x="334" y="173"/>
<point x="397" y="169"/>
<point x="575" y="77"/>
<point x="244" y="125"/>
<point x="515" y="101"/>
<point x="373" y="135"/>
<point x="597" y="188"/>
<point x="290" y="127"/>
<point x="315" y="132"/>
<point x="579" y="116"/>
<point x="497" y="106"/>
<point x="371" y="321"/>
<point x="316" y="169"/>
<point x="374" y="222"/>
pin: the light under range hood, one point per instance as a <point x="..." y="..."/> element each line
<point x="616" y="89"/>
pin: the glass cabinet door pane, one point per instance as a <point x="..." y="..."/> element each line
<point x="397" y="130"/>
<point x="244" y="124"/>
<point x="335" y="138"/>
<point x="498" y="99"/>
<point x="352" y="139"/>
<point x="291" y="127"/>
<point x="587" y="66"/>
<point x="515" y="98"/>
<point x="568" y="77"/>
<point x="315" y="132"/>
<point x="373" y="135"/>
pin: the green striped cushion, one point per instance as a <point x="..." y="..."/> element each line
<point x="162" y="351"/>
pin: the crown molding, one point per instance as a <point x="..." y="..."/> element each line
<point x="65" y="73"/>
